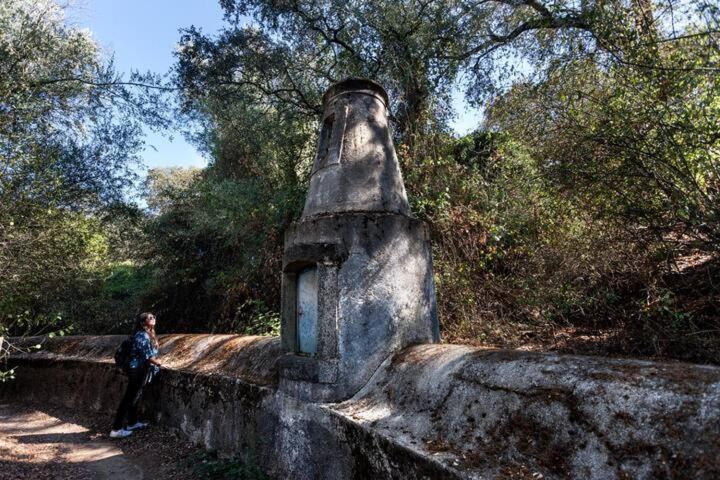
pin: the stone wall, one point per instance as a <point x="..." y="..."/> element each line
<point x="431" y="411"/>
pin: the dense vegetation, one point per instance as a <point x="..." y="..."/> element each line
<point x="583" y="214"/>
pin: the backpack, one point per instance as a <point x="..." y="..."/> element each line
<point x="122" y="355"/>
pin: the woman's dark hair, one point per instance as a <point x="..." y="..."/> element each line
<point x="141" y="327"/>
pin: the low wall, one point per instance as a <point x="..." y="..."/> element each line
<point x="430" y="411"/>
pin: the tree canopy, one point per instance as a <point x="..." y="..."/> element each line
<point x="580" y="215"/>
<point x="70" y="134"/>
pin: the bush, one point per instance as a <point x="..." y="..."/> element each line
<point x="209" y="466"/>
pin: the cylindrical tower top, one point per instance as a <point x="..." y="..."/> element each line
<point x="357" y="85"/>
<point x="356" y="168"/>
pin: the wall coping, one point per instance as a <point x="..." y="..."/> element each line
<point x="493" y="413"/>
<point x="249" y="358"/>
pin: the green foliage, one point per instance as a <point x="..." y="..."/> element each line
<point x="597" y="166"/>
<point x="638" y="147"/>
<point x="164" y="187"/>
<point x="627" y="134"/>
<point x="70" y="132"/>
<point x="508" y="246"/>
<point x="294" y="50"/>
<point x="209" y="466"/>
<point x="217" y="248"/>
<point x="57" y="249"/>
<point x="262" y="320"/>
<point x="109" y="302"/>
<point x="124" y="280"/>
<point x="25" y="322"/>
<point x="587" y="203"/>
<point x="6" y="375"/>
<point x="224" y="246"/>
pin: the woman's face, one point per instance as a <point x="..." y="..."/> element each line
<point x="150" y="321"/>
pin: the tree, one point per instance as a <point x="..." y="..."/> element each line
<point x="601" y="137"/>
<point x="164" y="187"/>
<point x="217" y="245"/>
<point x="294" y="50"/>
<point x="624" y="126"/>
<point x="70" y="133"/>
<point x="632" y="131"/>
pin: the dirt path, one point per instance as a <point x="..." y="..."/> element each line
<point x="59" y="444"/>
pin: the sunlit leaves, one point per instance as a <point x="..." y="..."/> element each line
<point x="70" y="133"/>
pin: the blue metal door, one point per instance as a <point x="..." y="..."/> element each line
<point x="307" y="295"/>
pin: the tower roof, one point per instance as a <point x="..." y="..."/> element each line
<point x="356" y="168"/>
<point x="355" y="85"/>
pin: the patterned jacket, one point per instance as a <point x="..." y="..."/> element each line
<point x="141" y="351"/>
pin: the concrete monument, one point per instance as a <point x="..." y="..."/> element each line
<point x="357" y="268"/>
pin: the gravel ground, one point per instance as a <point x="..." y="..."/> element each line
<point x="54" y="443"/>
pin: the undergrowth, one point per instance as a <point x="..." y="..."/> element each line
<point x="208" y="465"/>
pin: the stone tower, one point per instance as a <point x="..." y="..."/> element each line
<point x="357" y="267"/>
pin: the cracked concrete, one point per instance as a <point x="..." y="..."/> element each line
<point x="430" y="411"/>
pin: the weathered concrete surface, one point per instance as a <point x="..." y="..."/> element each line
<point x="219" y="409"/>
<point x="372" y="261"/>
<point x="503" y="413"/>
<point x="431" y="411"/>
<point x="249" y="358"/>
<point x="375" y="299"/>
<point x="356" y="168"/>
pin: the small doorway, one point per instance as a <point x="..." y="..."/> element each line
<point x="307" y="311"/>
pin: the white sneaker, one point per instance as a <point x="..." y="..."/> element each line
<point x="136" y="426"/>
<point x="122" y="433"/>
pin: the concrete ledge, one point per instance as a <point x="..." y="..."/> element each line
<point x="249" y="358"/>
<point x="509" y="414"/>
<point x="431" y="411"/>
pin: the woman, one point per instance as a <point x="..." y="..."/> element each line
<point x="142" y="367"/>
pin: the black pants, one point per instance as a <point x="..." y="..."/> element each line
<point x="128" y="405"/>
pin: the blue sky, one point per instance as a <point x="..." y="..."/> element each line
<point x="142" y="35"/>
